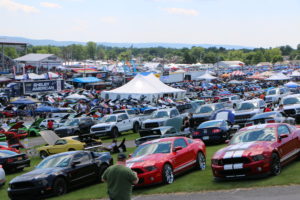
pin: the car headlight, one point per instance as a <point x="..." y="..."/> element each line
<point x="42" y="182"/>
<point x="258" y="157"/>
<point x="150" y="168"/>
<point x="160" y="123"/>
<point x="107" y="127"/>
<point x="216" y="162"/>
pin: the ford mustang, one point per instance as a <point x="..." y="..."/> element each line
<point x="57" y="173"/>
<point x="157" y="161"/>
<point x="257" y="150"/>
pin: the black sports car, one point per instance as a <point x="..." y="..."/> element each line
<point x="213" y="131"/>
<point x="12" y="161"/>
<point x="57" y="173"/>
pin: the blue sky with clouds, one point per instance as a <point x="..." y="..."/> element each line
<point x="260" y="23"/>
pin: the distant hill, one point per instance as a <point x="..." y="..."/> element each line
<point x="35" y="42"/>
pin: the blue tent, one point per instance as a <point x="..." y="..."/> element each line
<point x="46" y="109"/>
<point x="87" y="80"/>
<point x="23" y="101"/>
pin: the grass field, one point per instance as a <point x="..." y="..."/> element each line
<point x="193" y="181"/>
<point x="129" y="135"/>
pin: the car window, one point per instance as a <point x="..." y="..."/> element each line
<point x="283" y="129"/>
<point x="219" y="106"/>
<point x="180" y="143"/>
<point x="82" y="157"/>
<point x="173" y="113"/>
<point x="124" y="117"/>
<point x="281" y="91"/>
<point x="172" y="130"/>
<point x="60" y="142"/>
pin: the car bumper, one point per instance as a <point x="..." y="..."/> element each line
<point x="231" y="171"/>
<point x="17" y="165"/>
<point x="211" y="138"/>
<point x="149" y="178"/>
<point x="29" y="193"/>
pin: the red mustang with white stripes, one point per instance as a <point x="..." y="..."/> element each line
<point x="159" y="160"/>
<point x="257" y="150"/>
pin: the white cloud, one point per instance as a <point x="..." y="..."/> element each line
<point x="182" y="11"/>
<point x="109" y="20"/>
<point x="50" y="5"/>
<point x="14" y="6"/>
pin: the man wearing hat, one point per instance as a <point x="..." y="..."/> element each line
<point x="120" y="179"/>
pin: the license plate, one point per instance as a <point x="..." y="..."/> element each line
<point x="205" y="138"/>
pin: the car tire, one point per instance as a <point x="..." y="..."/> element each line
<point x="114" y="132"/>
<point x="43" y="154"/>
<point x="167" y="174"/>
<point x="136" y="127"/>
<point x="71" y="149"/>
<point x="275" y="165"/>
<point x="59" y="186"/>
<point x="102" y="169"/>
<point x="32" y="134"/>
<point x="201" y="161"/>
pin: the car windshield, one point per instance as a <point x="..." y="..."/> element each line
<point x="55" y="161"/>
<point x="247" y="106"/>
<point x="160" y="114"/>
<point x="109" y="119"/>
<point x="264" y="115"/>
<point x="209" y="124"/>
<point x="72" y="122"/>
<point x="149" y="111"/>
<point x="291" y="100"/>
<point x="205" y="109"/>
<point x="258" y="134"/>
<point x="271" y="92"/>
<point x="152" y="148"/>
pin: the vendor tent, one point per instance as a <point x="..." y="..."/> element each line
<point x="76" y="97"/>
<point x="148" y="86"/>
<point x="295" y="74"/>
<point x="291" y="85"/>
<point x="278" y="77"/>
<point x="206" y="76"/>
<point x="87" y="80"/>
<point x="22" y="100"/>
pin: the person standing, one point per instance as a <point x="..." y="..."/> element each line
<point x="120" y="179"/>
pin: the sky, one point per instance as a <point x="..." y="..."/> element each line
<point x="254" y="23"/>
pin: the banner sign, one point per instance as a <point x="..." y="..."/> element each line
<point x="43" y="86"/>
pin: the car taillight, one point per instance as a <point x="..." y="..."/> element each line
<point x="271" y="121"/>
<point x="248" y="124"/>
<point x="216" y="131"/>
<point x="9" y="160"/>
<point x="196" y="133"/>
<point x="0" y="166"/>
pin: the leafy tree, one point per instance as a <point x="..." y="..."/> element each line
<point x="91" y="50"/>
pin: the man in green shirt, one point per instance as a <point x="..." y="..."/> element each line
<point x="120" y="179"/>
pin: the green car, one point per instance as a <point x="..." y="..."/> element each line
<point x="33" y="129"/>
<point x="2" y="137"/>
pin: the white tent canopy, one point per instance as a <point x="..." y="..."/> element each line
<point x="295" y="74"/>
<point x="76" y="96"/>
<point x="206" y="76"/>
<point x="291" y="84"/>
<point x="278" y="77"/>
<point x="148" y="86"/>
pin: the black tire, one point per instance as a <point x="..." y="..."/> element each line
<point x="76" y="133"/>
<point x="102" y="168"/>
<point x="136" y="127"/>
<point x="114" y="132"/>
<point x="275" y="165"/>
<point x="167" y="174"/>
<point x="71" y="149"/>
<point x="32" y="134"/>
<point x="59" y="186"/>
<point x="201" y="161"/>
<point x="43" y="154"/>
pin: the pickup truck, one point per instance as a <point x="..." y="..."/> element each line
<point x="75" y="126"/>
<point x="291" y="106"/>
<point x="164" y="117"/>
<point x="112" y="125"/>
<point x="275" y="95"/>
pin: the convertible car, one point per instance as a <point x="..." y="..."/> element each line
<point x="58" y="173"/>
<point x="157" y="161"/>
<point x="257" y="150"/>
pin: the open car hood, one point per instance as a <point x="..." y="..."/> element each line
<point x="226" y="115"/>
<point x="49" y="136"/>
<point x="16" y="126"/>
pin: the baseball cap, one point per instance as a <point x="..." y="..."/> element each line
<point x="122" y="156"/>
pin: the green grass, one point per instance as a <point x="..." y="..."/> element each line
<point x="193" y="181"/>
<point x="129" y="135"/>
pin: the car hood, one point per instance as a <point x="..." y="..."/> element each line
<point x="243" y="149"/>
<point x="149" y="160"/>
<point x="36" y="174"/>
<point x="155" y="120"/>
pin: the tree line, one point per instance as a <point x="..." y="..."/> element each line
<point x="193" y="55"/>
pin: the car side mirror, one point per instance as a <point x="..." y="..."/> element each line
<point x="283" y="136"/>
<point x="177" y="148"/>
<point x="75" y="163"/>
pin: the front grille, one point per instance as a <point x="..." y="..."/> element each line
<point x="151" y="125"/>
<point x="98" y="129"/>
<point x="235" y="172"/>
<point x="243" y="160"/>
<point x="21" y="185"/>
<point x="243" y="116"/>
<point x="290" y="111"/>
<point x="137" y="170"/>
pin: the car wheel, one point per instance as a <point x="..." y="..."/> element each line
<point x="32" y="134"/>
<point x="43" y="154"/>
<point x="59" y="187"/>
<point x="102" y="168"/>
<point x="201" y="161"/>
<point x="114" y="132"/>
<point x="136" y="127"/>
<point x="168" y="176"/>
<point x="71" y="149"/>
<point x="275" y="165"/>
